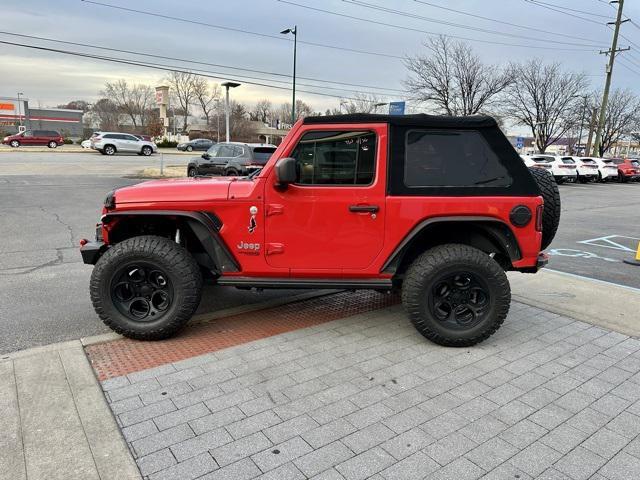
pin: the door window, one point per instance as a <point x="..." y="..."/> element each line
<point x="336" y="158"/>
<point x="130" y="137"/>
<point x="225" y="151"/>
<point x="28" y="133"/>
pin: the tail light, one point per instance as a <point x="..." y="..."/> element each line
<point x="539" y="212"/>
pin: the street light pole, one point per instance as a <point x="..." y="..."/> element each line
<point x="294" y="32"/>
<point x="227" y="86"/>
<point x="584" y="109"/>
<point x="380" y="104"/>
<point x="19" y="109"/>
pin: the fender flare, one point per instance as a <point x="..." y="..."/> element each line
<point x="204" y="225"/>
<point x="495" y="229"/>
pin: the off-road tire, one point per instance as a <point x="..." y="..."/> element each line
<point x="551" y="213"/>
<point x="422" y="276"/>
<point x="174" y="260"/>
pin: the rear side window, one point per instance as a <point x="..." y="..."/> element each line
<point x="451" y="159"/>
<point x="567" y="160"/>
<point x="635" y="163"/>
<point x="110" y="135"/>
<point x="262" y="154"/>
<point x="336" y="158"/>
<point x="588" y="160"/>
<point x="543" y="159"/>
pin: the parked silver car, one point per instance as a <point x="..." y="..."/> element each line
<point x="110" y="143"/>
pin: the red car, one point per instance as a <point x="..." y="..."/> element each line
<point x="49" y="138"/>
<point x="435" y="207"/>
<point x="628" y="169"/>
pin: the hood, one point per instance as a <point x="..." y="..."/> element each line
<point x="175" y="190"/>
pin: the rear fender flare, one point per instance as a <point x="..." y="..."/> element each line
<point x="494" y="229"/>
<point x="204" y="225"/>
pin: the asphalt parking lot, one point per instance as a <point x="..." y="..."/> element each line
<point x="49" y="201"/>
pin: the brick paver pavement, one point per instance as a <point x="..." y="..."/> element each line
<point x="368" y="397"/>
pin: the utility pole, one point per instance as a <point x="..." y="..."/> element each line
<point x="607" y="84"/>
<point x="592" y="123"/>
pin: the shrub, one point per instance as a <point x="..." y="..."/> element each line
<point x="166" y="144"/>
<point x="68" y="141"/>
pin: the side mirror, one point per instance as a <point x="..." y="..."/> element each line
<point x="285" y="172"/>
<point x="206" y="156"/>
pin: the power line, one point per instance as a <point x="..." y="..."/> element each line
<point x="533" y="2"/>
<point x="572" y="9"/>
<point x="402" y="27"/>
<point x="501" y="22"/>
<point x="163" y="57"/>
<point x="458" y="25"/>
<point x="170" y="68"/>
<point x="239" y="30"/>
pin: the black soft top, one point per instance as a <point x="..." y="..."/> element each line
<point x="416" y="120"/>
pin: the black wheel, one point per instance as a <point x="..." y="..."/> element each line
<point x="53" y="144"/>
<point x="146" y="287"/>
<point x="189" y="148"/>
<point x="551" y="213"/>
<point x="14" y="143"/>
<point x="192" y="172"/>
<point x="147" y="150"/>
<point x="232" y="172"/>
<point x="456" y="295"/>
<point x="109" y="150"/>
<point x="621" y="177"/>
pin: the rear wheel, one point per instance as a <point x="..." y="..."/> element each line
<point x="109" y="150"/>
<point x="146" y="287"/>
<point x="53" y="144"/>
<point x="551" y="212"/>
<point x="456" y="295"/>
<point x="621" y="177"/>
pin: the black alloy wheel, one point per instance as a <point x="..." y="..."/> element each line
<point x="141" y="292"/>
<point x="460" y="300"/>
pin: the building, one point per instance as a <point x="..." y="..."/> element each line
<point x="16" y="114"/>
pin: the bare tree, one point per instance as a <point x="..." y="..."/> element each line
<point x="206" y="96"/>
<point x="182" y="87"/>
<point x="361" y="103"/>
<point x="302" y="110"/>
<point x="106" y="111"/>
<point x="621" y="117"/>
<point x="262" y="111"/>
<point x="544" y="98"/>
<point x="454" y="79"/>
<point x="132" y="100"/>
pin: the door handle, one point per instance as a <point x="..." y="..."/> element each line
<point x="363" y="208"/>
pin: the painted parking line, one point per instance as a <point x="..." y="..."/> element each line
<point x="614" y="242"/>
<point x="594" y="280"/>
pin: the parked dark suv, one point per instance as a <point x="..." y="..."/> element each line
<point x="231" y="159"/>
<point x="50" y="138"/>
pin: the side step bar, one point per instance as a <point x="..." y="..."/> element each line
<point x="318" y="283"/>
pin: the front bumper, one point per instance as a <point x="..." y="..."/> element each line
<point x="92" y="251"/>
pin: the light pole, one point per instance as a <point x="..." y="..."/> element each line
<point x="294" y="32"/>
<point x="381" y="104"/>
<point x="218" y="118"/>
<point x="19" y="109"/>
<point x="227" y="86"/>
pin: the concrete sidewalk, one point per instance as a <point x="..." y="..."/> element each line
<point x="362" y="396"/>
<point x="55" y="423"/>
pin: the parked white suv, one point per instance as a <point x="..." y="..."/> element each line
<point x="587" y="169"/>
<point x="562" y="168"/>
<point x="109" y="143"/>
<point x="607" y="170"/>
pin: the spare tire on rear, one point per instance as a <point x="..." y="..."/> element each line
<point x="551" y="213"/>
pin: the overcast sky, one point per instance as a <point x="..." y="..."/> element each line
<point x="48" y="78"/>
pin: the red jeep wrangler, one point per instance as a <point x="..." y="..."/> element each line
<point x="438" y="207"/>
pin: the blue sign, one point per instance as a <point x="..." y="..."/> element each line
<point x="396" y="108"/>
<point x="519" y="142"/>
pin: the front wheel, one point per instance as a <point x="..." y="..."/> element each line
<point x="14" y="143"/>
<point x="146" y="151"/>
<point x="189" y="148"/>
<point x="456" y="295"/>
<point x="192" y="172"/>
<point x="146" y="287"/>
